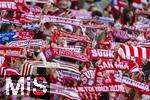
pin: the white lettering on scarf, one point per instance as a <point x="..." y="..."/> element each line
<point x="8" y="5"/>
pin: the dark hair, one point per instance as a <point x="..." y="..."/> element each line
<point x="96" y="13"/>
<point x="130" y="1"/>
<point x="117" y="16"/>
<point x="126" y="11"/>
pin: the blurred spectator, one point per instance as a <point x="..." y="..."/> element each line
<point x="128" y="16"/>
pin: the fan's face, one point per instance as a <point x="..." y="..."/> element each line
<point x="64" y="4"/>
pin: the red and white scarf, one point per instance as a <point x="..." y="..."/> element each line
<point x="81" y="15"/>
<point x="71" y="54"/>
<point x="101" y="88"/>
<point x="28" y="43"/>
<point x="70" y="36"/>
<point x="133" y="51"/>
<point x="38" y="1"/>
<point x="93" y="92"/>
<point x="30" y="17"/>
<point x="55" y="19"/>
<point x="145" y="45"/>
<point x="12" y="51"/>
<point x="64" y="91"/>
<point x="16" y="5"/>
<point x="101" y="53"/>
<point x="10" y="20"/>
<point x="25" y="35"/>
<point x="132" y="83"/>
<point x="35" y="9"/>
<point x="88" y="77"/>
<point x="117" y="65"/>
<point x="28" y="67"/>
<point x="8" y="5"/>
<point x="68" y="66"/>
<point x="7" y="71"/>
<point x="20" y="1"/>
<point x="69" y="75"/>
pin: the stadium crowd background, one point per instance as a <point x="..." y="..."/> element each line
<point x="99" y="20"/>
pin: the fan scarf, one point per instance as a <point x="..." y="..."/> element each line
<point x="35" y="10"/>
<point x="13" y="5"/>
<point x="91" y="78"/>
<point x="74" y="22"/>
<point x="12" y="51"/>
<point x="6" y="21"/>
<point x="10" y="21"/>
<point x="88" y="77"/>
<point x="30" y="17"/>
<point x="71" y="54"/>
<point x="25" y="35"/>
<point x="20" y="1"/>
<point x="38" y="1"/>
<point x="105" y="20"/>
<point x="132" y="51"/>
<point x="140" y="28"/>
<point x="76" y="93"/>
<point x="68" y="66"/>
<point x="69" y="75"/>
<point x="81" y="15"/>
<point x="131" y="83"/>
<point x="48" y="52"/>
<point x="8" y="5"/>
<point x="116" y="65"/>
<point x="64" y="91"/>
<point x="47" y="18"/>
<point x="100" y="53"/>
<point x="27" y="67"/>
<point x="69" y="36"/>
<point x="12" y="36"/>
<point x="7" y="71"/>
<point x="93" y="92"/>
<point x="71" y="48"/>
<point x="101" y="88"/>
<point x="146" y="45"/>
<point x="31" y="43"/>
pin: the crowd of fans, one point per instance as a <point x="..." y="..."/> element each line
<point x="70" y="30"/>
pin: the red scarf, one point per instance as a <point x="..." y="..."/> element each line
<point x="25" y="35"/>
<point x="69" y="36"/>
<point x="12" y="51"/>
<point x="116" y="65"/>
<point x="11" y="5"/>
<point x="100" y="53"/>
<point x="48" y="52"/>
<point x="71" y="54"/>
